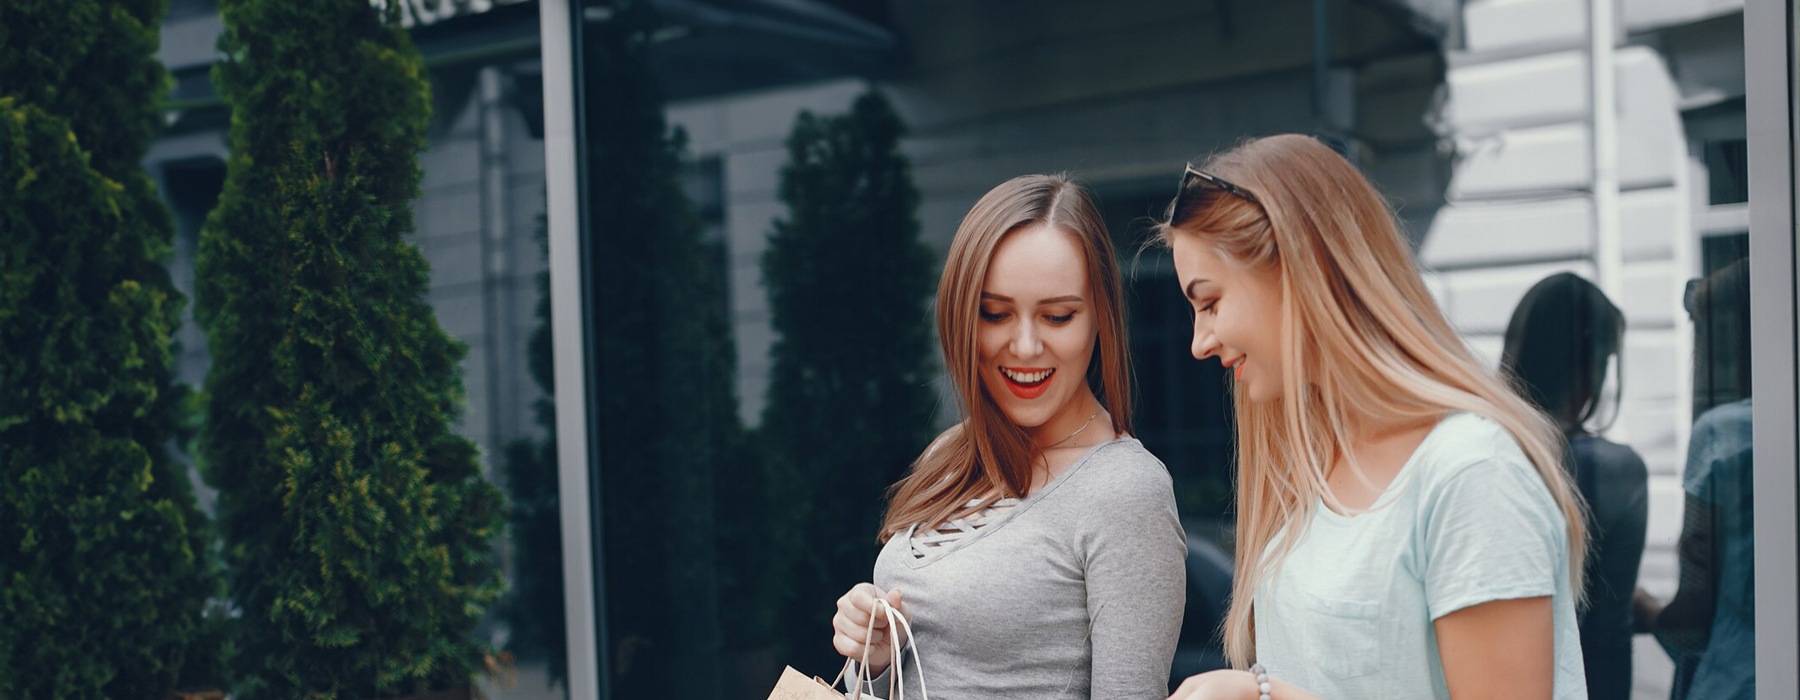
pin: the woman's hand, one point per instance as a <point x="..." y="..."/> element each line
<point x="1236" y="685"/>
<point x="855" y="631"/>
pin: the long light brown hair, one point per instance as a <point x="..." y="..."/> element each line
<point x="1364" y="344"/>
<point x="986" y="455"/>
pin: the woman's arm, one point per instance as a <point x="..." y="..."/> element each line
<point x="1135" y="569"/>
<point x="1501" y="649"/>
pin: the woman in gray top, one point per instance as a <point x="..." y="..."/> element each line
<point x="1035" y="545"/>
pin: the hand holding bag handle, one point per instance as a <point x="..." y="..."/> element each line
<point x="858" y="674"/>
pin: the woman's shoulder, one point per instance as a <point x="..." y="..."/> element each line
<point x="1124" y="466"/>
<point x="1604" y="456"/>
<point x="1120" y="488"/>
<point x="1464" y="441"/>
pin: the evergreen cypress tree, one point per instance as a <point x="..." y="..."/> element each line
<point x="357" y="523"/>
<point x="850" y="400"/>
<point x="103" y="553"/>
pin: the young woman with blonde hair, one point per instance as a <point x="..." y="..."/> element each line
<point x="1034" y="545"/>
<point x="1405" y="527"/>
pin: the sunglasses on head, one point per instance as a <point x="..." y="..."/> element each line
<point x="1194" y="179"/>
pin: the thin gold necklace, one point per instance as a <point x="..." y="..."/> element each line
<point x="1072" y="435"/>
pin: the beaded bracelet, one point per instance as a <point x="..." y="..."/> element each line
<point x="1262" y="681"/>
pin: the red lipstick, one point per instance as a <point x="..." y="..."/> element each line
<point x="1026" y="390"/>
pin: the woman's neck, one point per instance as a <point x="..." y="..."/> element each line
<point x="1074" y="423"/>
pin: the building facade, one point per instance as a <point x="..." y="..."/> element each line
<point x="1475" y="118"/>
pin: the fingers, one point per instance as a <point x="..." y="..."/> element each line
<point x="850" y="648"/>
<point x="857" y="642"/>
<point x="859" y="604"/>
<point x="894" y="601"/>
<point x="857" y="630"/>
<point x="854" y="635"/>
<point x="877" y="655"/>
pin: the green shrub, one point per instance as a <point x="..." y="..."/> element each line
<point x="102" y="554"/>
<point x="357" y="523"/>
<point x="104" y="558"/>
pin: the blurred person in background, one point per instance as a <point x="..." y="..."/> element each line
<point x="1563" y="337"/>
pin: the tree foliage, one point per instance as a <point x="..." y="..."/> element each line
<point x="104" y="557"/>
<point x="357" y="522"/>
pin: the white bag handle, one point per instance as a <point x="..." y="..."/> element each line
<point x="858" y="674"/>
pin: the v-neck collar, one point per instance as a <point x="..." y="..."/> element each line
<point x="999" y="520"/>
<point x="1394" y="485"/>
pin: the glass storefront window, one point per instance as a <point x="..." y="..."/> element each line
<point x="699" y="557"/>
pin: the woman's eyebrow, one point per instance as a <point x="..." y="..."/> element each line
<point x="1052" y="300"/>
<point x="1189" y="290"/>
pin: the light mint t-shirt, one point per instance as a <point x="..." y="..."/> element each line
<point x="1466" y="521"/>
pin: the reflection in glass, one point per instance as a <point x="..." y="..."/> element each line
<point x="1709" y="628"/>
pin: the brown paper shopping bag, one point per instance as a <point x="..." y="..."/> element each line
<point x="795" y="685"/>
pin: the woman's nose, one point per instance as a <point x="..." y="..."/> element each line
<point x="1026" y="343"/>
<point x="1205" y="343"/>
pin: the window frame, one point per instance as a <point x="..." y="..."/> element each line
<point x="1770" y="72"/>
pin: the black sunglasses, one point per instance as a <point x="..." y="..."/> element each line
<point x="1194" y="178"/>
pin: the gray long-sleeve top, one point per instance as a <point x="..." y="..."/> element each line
<point x="1076" y="592"/>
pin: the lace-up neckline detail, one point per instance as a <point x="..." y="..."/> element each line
<point x="948" y="535"/>
<point x="928" y="545"/>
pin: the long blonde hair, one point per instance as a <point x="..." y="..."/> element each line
<point x="1377" y="349"/>
<point x="987" y="453"/>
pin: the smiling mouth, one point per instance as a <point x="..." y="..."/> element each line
<point x="1237" y="369"/>
<point x="1027" y="383"/>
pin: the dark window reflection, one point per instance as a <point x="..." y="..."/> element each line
<point x="1709" y="628"/>
<point x="668" y="437"/>
<point x="724" y="546"/>
<point x="1721" y="324"/>
<point x="179" y="9"/>
<point x="1728" y="170"/>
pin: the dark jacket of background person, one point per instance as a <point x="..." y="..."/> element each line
<point x="1561" y="339"/>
